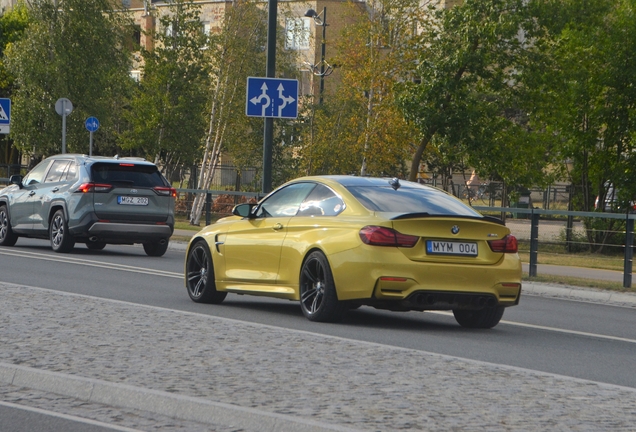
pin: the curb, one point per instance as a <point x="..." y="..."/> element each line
<point x="159" y="402"/>
<point x="614" y="298"/>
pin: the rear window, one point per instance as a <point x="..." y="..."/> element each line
<point x="127" y="174"/>
<point x="410" y="199"/>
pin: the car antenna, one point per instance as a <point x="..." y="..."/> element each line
<point x="395" y="183"/>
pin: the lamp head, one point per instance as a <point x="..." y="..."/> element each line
<point x="311" y="13"/>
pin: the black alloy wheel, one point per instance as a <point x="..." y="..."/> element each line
<point x="61" y="240"/>
<point x="200" y="275"/>
<point x="483" y="318"/>
<point x="318" y="298"/>
<point x="7" y="237"/>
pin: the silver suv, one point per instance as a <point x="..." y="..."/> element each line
<point x="95" y="200"/>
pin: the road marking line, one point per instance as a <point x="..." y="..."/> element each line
<point x="539" y="327"/>
<point x="90" y="263"/>
<point x="69" y="417"/>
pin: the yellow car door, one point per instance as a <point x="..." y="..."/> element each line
<point x="252" y="245"/>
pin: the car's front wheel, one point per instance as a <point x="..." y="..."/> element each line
<point x="7" y="237"/>
<point x="483" y="318"/>
<point x="200" y="275"/>
<point x="156" y="248"/>
<point x="318" y="297"/>
<point x="61" y="240"/>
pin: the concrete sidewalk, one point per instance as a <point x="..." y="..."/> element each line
<point x="150" y="368"/>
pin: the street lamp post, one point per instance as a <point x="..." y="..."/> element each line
<point x="325" y="69"/>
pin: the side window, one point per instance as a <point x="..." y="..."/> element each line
<point x="286" y="201"/>
<point x="36" y="175"/>
<point x="322" y="201"/>
<point x="57" y="171"/>
<point x="71" y="173"/>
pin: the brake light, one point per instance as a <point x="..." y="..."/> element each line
<point x="94" y="187"/>
<point x="508" y="244"/>
<point x="165" y="191"/>
<point x="382" y="236"/>
<point x="126" y="164"/>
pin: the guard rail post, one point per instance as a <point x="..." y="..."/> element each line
<point x="208" y="205"/>
<point x="629" y="253"/>
<point x="534" y="243"/>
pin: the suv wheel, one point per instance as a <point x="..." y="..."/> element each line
<point x="61" y="240"/>
<point x="7" y="237"/>
<point x="156" y="248"/>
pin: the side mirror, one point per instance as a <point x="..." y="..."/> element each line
<point x="244" y="210"/>
<point x="16" y="180"/>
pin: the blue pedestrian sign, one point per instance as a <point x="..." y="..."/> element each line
<point x="5" y="115"/>
<point x="92" y="124"/>
<point x="272" y="97"/>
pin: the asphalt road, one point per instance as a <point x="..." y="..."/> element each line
<point x="582" y="340"/>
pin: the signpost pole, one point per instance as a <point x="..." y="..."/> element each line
<point x="268" y="130"/>
<point x="90" y="144"/>
<point x="63" y="126"/>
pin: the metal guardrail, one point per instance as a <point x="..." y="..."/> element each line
<point x="534" y="233"/>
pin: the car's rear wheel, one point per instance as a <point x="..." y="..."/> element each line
<point x="200" y="275"/>
<point x="482" y="318"/>
<point x="61" y="240"/>
<point x="7" y="237"/>
<point x="95" y="245"/>
<point x="318" y="297"/>
<point x="156" y="248"/>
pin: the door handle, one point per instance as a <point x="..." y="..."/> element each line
<point x="278" y="227"/>
<point x="31" y="193"/>
<point x="55" y="189"/>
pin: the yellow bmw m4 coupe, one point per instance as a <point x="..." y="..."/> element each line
<point x="336" y="243"/>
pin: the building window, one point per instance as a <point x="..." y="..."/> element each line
<point x="297" y="33"/>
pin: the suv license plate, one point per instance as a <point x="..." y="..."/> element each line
<point x="128" y="200"/>
<point x="439" y="247"/>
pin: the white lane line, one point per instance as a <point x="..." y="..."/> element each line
<point x="90" y="263"/>
<point x="538" y="327"/>
<point x="69" y="417"/>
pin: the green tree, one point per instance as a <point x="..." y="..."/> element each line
<point x="467" y="102"/>
<point x="237" y="53"/>
<point x="167" y="112"/>
<point x="587" y="92"/>
<point x="359" y="127"/>
<point x="73" y="49"/>
<point x="12" y="26"/>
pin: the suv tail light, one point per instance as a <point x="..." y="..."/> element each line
<point x="94" y="187"/>
<point x="508" y="244"/>
<point x="165" y="191"/>
<point x="382" y="236"/>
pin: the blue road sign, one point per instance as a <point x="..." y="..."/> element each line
<point x="5" y="115"/>
<point x="92" y="124"/>
<point x="272" y="97"/>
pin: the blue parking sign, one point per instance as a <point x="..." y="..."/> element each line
<point x="272" y="97"/>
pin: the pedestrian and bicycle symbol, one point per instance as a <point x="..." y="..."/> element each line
<point x="272" y="97"/>
<point x="5" y="116"/>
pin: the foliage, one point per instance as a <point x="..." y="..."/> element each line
<point x="359" y="128"/>
<point x="12" y="26"/>
<point x="167" y="113"/>
<point x="468" y="103"/>
<point x="588" y="92"/>
<point x="74" y="50"/>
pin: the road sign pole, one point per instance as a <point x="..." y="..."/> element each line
<point x="90" y="144"/>
<point x="63" y="127"/>
<point x="268" y="129"/>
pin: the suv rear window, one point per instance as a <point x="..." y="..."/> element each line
<point x="127" y="174"/>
